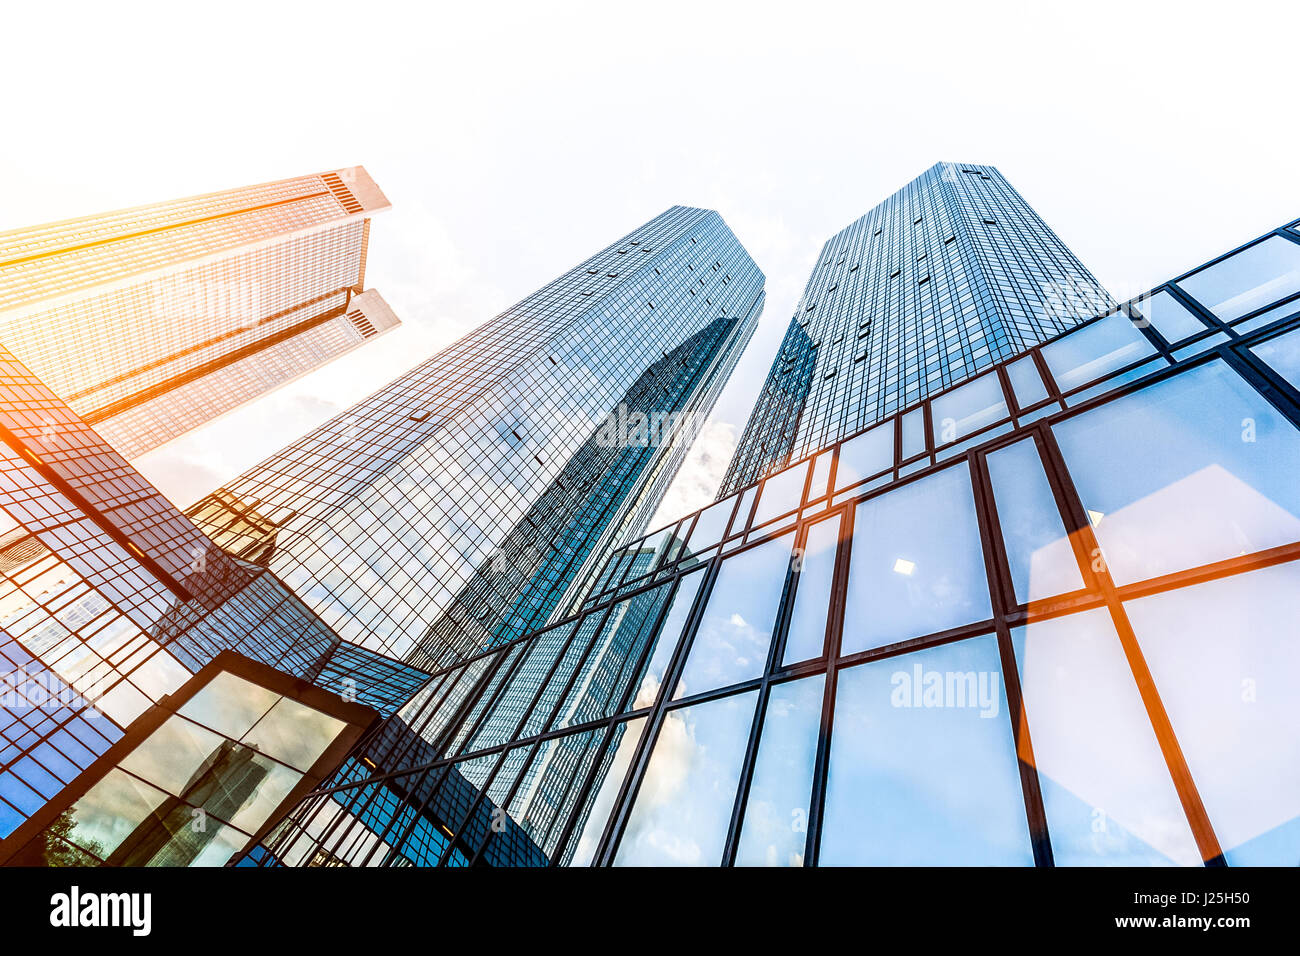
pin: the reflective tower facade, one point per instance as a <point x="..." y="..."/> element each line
<point x="951" y="274"/>
<point x="152" y="321"/>
<point x="462" y="504"/>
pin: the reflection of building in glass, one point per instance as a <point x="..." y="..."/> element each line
<point x="950" y="275"/>
<point x="469" y="491"/>
<point x="1022" y="619"/>
<point x="154" y="320"/>
<point x="110" y="599"/>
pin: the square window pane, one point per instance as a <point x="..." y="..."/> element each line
<point x="923" y="767"/>
<point x="294" y="733"/>
<point x="774" y="830"/>
<point x="1106" y="789"/>
<point x="683" y="806"/>
<point x="806" y="635"/>
<point x="1282" y="354"/>
<point x="1168" y="316"/>
<point x="916" y="565"/>
<point x="1038" y="550"/>
<point x="1226" y="660"/>
<point x="229" y="705"/>
<point x="967" y="409"/>
<point x="1026" y="382"/>
<point x="711" y="525"/>
<point x="782" y="493"/>
<point x="735" y="633"/>
<point x="1190" y="470"/>
<point x="1095" y="350"/>
<point x="868" y="454"/>
<point x="1251" y="279"/>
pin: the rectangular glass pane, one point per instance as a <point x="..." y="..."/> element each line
<point x="1168" y="316"/>
<point x="913" y="433"/>
<point x="868" y="454"/>
<point x="735" y="633"/>
<point x="609" y="778"/>
<point x="683" y="806"/>
<point x="1038" y="550"/>
<point x="923" y="767"/>
<point x="782" y="493"/>
<point x="666" y="640"/>
<point x="821" y="472"/>
<point x="1282" y="355"/>
<point x="1191" y="470"/>
<point x="774" y="830"/>
<point x="1226" y="660"/>
<point x="806" y="635"/>
<point x="1026" y="382"/>
<point x="916" y="565"/>
<point x="1106" y="789"/>
<point x="711" y="525"/>
<point x="967" y="409"/>
<point x="1251" y="279"/>
<point x="1095" y="350"/>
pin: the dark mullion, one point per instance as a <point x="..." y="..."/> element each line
<point x="834" y="640"/>
<point x="775" y="647"/>
<point x="1002" y="596"/>
<point x="1276" y="390"/>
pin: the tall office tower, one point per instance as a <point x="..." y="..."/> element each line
<point x="1046" y="616"/>
<point x="464" y="501"/>
<point x="154" y="320"/>
<point x="114" y="607"/>
<point x="951" y="274"/>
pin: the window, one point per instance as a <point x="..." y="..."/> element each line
<point x="781" y="493"/>
<point x="1169" y="317"/>
<point x="1225" y="659"/>
<point x="967" y="409"/>
<point x="1282" y="354"/>
<point x="1106" y="789"/>
<point x="866" y="455"/>
<point x="735" y="633"/>
<point x="666" y="640"/>
<point x="1095" y="350"/>
<point x="1185" y="472"/>
<point x="1038" y="550"/>
<point x="807" y="631"/>
<point x="923" y="767"/>
<point x="683" y="807"/>
<point x="1026" y="382"/>
<point x="917" y="566"/>
<point x="1247" y="280"/>
<point x="781" y="783"/>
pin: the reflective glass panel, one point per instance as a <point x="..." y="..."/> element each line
<point x="1249" y="280"/>
<point x="782" y="493"/>
<point x="294" y="733"/>
<point x="868" y="454"/>
<point x="916" y="563"/>
<point x="110" y="812"/>
<point x="1026" y="382"/>
<point x="1106" y="789"/>
<point x="821" y="472"/>
<point x="913" y="433"/>
<point x="229" y="704"/>
<point x="1095" y="350"/>
<point x="172" y="753"/>
<point x="683" y="806"/>
<point x="1226" y="660"/>
<point x="1038" y="550"/>
<point x="1169" y="317"/>
<point x="967" y="409"/>
<point x="666" y="640"/>
<point x="806" y="635"/>
<point x="1282" y="354"/>
<point x="774" y="829"/>
<point x="1190" y="470"/>
<point x="711" y="524"/>
<point x="605" y="787"/>
<point x="923" y="766"/>
<point x="735" y="632"/>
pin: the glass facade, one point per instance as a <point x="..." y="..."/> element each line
<point x="1060" y="633"/>
<point x="152" y="321"/>
<point x="952" y="274"/>
<point x="461" y="506"/>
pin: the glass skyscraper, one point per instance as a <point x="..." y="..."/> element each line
<point x="1044" y="615"/>
<point x="465" y="503"/>
<point x="950" y="275"/>
<point x="152" y="321"/>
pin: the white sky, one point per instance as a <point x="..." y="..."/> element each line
<point x="514" y="140"/>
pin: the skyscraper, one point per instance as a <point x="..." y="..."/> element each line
<point x="1025" y="619"/>
<point x="152" y="321"/>
<point x="950" y="275"/>
<point x="462" y="504"/>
